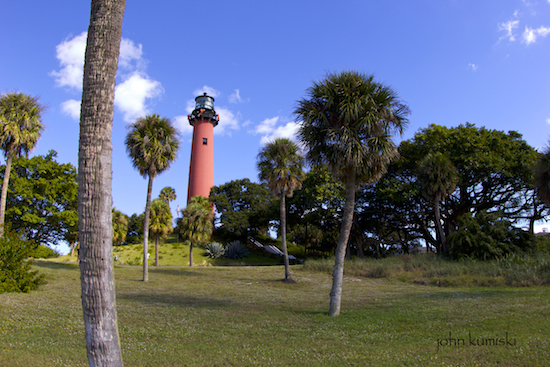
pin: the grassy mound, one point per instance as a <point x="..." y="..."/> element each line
<point x="176" y="254"/>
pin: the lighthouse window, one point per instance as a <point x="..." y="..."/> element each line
<point x="204" y="141"/>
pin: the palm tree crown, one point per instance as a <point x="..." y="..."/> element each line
<point x="347" y="123"/>
<point x="152" y="144"/>
<point x="168" y="194"/>
<point x="120" y="226"/>
<point x="281" y="166"/>
<point x="20" y="126"/>
<point x="437" y="175"/>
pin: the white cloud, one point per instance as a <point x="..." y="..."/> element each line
<point x="548" y="119"/>
<point x="208" y="90"/>
<point x="71" y="108"/>
<point x="128" y="53"/>
<point x="131" y="95"/>
<point x="235" y="97"/>
<point x="228" y="121"/>
<point x="270" y="131"/>
<point x="508" y="29"/>
<point x="530" y="35"/>
<point x="473" y="67"/>
<point x="70" y="54"/>
<point x="182" y="123"/>
<point x="267" y="126"/>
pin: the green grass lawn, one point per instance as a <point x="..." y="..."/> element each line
<point x="177" y="254"/>
<point x="244" y="316"/>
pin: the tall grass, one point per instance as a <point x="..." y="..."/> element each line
<point x="514" y="270"/>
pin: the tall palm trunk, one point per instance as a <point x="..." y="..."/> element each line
<point x="442" y="237"/>
<point x="288" y="278"/>
<point x="4" y="197"/>
<point x="340" y="253"/>
<point x="94" y="183"/>
<point x="146" y="230"/>
<point x="157" y="250"/>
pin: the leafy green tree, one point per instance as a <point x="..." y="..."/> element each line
<point x="120" y="227"/>
<point x="438" y="177"/>
<point x="152" y="144"/>
<point x="197" y="223"/>
<point x="315" y="211"/>
<point x="281" y="168"/>
<point x="160" y="225"/>
<point x="494" y="174"/>
<point x="135" y="229"/>
<point x="42" y="199"/>
<point x="542" y="176"/>
<point x="244" y="207"/>
<point x="346" y="123"/>
<point x="94" y="183"/>
<point x="20" y="129"/>
<point x="15" y="271"/>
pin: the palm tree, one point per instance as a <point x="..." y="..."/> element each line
<point x="120" y="227"/>
<point x="542" y="176"/>
<point x="281" y="168"/>
<point x="160" y="224"/>
<point x="438" y="178"/>
<point x="20" y="129"/>
<point x="197" y="223"/>
<point x="168" y="194"/>
<point x="94" y="183"/>
<point x="346" y="123"/>
<point x="152" y="144"/>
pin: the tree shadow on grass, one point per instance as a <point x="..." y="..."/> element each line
<point x="179" y="272"/>
<point x="54" y="265"/>
<point x="177" y="300"/>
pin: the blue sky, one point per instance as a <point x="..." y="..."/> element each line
<point x="452" y="61"/>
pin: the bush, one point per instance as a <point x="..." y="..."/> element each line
<point x="214" y="250"/>
<point x="15" y="270"/>
<point x="44" y="252"/>
<point x="488" y="236"/>
<point x="235" y="250"/>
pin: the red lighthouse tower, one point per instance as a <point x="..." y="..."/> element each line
<point x="201" y="170"/>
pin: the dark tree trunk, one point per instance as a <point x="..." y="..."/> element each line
<point x="157" y="250"/>
<point x="94" y="183"/>
<point x="146" y="230"/>
<point x="440" y="231"/>
<point x="4" y="197"/>
<point x="190" y="254"/>
<point x="288" y="278"/>
<point x="340" y="253"/>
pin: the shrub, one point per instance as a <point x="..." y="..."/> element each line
<point x="488" y="236"/>
<point x="44" y="252"/>
<point x="235" y="250"/>
<point x="15" y="270"/>
<point x="214" y="250"/>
